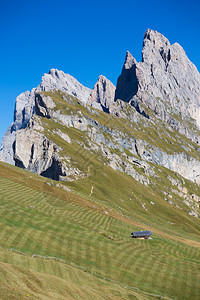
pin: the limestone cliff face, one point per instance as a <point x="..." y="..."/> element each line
<point x="165" y="82"/>
<point x="54" y="80"/>
<point x="25" y="106"/>
<point x="102" y="95"/>
<point x="58" y="80"/>
<point x="34" y="152"/>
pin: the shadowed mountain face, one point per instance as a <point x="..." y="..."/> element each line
<point x="151" y="117"/>
<point x="127" y="84"/>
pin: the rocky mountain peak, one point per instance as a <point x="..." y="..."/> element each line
<point x="155" y="43"/>
<point x="56" y="73"/>
<point x="58" y="80"/>
<point x="102" y="96"/>
<point x="165" y="81"/>
<point x="129" y="61"/>
<point x="25" y="105"/>
<point x="156" y="38"/>
<point x="156" y="46"/>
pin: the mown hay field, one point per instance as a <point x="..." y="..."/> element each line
<point x="36" y="217"/>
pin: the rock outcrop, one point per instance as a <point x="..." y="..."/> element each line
<point x="25" y="106"/>
<point x="127" y="84"/>
<point x="165" y="82"/>
<point x="103" y="94"/>
<point x="34" y="152"/>
<point x="54" y="80"/>
<point x="58" y="80"/>
<point x="44" y="106"/>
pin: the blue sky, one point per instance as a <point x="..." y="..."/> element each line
<point x="83" y="38"/>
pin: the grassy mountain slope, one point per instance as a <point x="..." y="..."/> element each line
<point x="27" y="278"/>
<point x="86" y="223"/>
<point x="93" y="232"/>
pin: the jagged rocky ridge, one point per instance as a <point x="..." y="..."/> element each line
<point x="147" y="121"/>
<point x="165" y="82"/>
<point x="25" y="106"/>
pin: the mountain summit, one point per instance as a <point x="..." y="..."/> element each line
<point x="165" y="82"/>
<point x="150" y="120"/>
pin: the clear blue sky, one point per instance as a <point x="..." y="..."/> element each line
<point x="84" y="38"/>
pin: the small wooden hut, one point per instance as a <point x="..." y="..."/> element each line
<point x="141" y="234"/>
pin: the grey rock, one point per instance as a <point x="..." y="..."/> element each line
<point x="54" y="80"/>
<point x="103" y="94"/>
<point x="44" y="106"/>
<point x="64" y="136"/>
<point x="127" y="84"/>
<point x="6" y="150"/>
<point x="165" y="81"/>
<point x="33" y="151"/>
<point x="58" y="80"/>
<point x="25" y="105"/>
<point x="180" y="163"/>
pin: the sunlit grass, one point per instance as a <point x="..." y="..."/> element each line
<point x="37" y="218"/>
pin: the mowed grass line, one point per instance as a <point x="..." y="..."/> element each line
<point x="53" y="280"/>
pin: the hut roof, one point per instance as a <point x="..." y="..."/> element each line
<point x="141" y="233"/>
